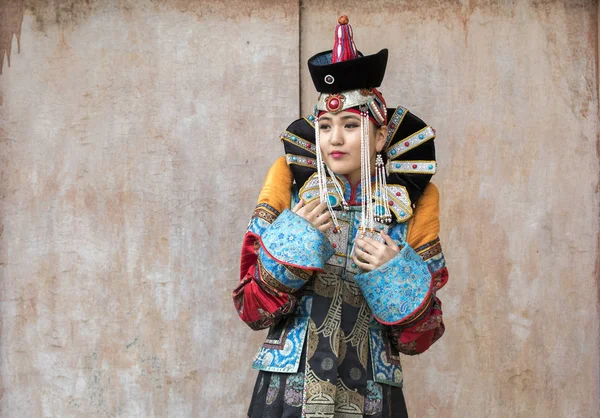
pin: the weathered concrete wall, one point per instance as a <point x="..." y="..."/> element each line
<point x="512" y="89"/>
<point x="132" y="150"/>
<point x="135" y="137"/>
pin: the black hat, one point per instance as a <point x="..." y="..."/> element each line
<point x="346" y="78"/>
<point x="363" y="72"/>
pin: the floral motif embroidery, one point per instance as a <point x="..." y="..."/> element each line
<point x="294" y="388"/>
<point x="261" y="384"/>
<point x="294" y="241"/>
<point x="278" y="276"/>
<point x="373" y="398"/>
<point x="273" y="390"/>
<point x="398" y="288"/>
<point x="283" y="354"/>
<point x="386" y="366"/>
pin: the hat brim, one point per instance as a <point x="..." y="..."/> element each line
<point x="364" y="72"/>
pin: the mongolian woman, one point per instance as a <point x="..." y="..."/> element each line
<point x="341" y="259"/>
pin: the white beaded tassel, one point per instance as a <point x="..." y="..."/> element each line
<point x="367" y="219"/>
<point x="338" y="187"/>
<point x="322" y="178"/>
<point x="381" y="192"/>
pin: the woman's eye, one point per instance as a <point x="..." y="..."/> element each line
<point x="351" y="125"/>
<point x="323" y="127"/>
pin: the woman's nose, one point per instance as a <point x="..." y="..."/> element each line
<point x="337" y="137"/>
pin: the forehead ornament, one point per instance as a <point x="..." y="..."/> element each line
<point x="334" y="103"/>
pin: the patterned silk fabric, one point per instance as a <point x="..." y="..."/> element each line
<point x="338" y="372"/>
<point x="326" y="354"/>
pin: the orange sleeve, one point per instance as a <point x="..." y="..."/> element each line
<point x="424" y="226"/>
<point x="277" y="189"/>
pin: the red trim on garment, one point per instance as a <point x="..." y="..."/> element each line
<point x="251" y="302"/>
<point x="352" y="201"/>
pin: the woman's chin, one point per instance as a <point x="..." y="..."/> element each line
<point x="343" y="170"/>
<point x="337" y="167"/>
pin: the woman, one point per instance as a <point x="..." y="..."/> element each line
<point x="346" y="279"/>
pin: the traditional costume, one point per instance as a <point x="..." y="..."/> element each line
<point x="335" y="331"/>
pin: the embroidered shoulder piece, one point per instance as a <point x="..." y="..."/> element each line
<point x="310" y="190"/>
<point x="394" y="124"/>
<point x="411" y="142"/>
<point x="412" y="167"/>
<point x="397" y="200"/>
<point x="298" y="141"/>
<point x="300" y="160"/>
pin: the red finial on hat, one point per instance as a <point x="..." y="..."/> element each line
<point x="343" y="46"/>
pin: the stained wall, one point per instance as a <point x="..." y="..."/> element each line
<point x="134" y="137"/>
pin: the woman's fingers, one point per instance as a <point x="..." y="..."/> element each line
<point x="364" y="266"/>
<point x="368" y="258"/>
<point x="316" y="211"/>
<point x="298" y="206"/>
<point x="323" y="217"/>
<point x="325" y="226"/>
<point x="320" y="208"/>
<point x="305" y="209"/>
<point x="369" y="244"/>
<point x="390" y="242"/>
<point x="310" y="209"/>
<point x="310" y="206"/>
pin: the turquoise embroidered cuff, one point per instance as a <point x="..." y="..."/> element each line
<point x="293" y="241"/>
<point x="400" y="290"/>
<point x="264" y="215"/>
<point x="281" y="277"/>
<point x="258" y="226"/>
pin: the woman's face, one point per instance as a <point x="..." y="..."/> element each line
<point x="339" y="135"/>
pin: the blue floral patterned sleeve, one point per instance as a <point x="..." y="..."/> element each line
<point x="399" y="290"/>
<point x="292" y="246"/>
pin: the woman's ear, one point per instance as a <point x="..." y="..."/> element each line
<point x="380" y="137"/>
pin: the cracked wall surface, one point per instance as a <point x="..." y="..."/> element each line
<point x="134" y="137"/>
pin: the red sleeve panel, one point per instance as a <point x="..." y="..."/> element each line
<point x="258" y="304"/>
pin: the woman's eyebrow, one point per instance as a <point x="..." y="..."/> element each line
<point x="350" y="117"/>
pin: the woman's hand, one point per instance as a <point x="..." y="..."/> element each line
<point x="374" y="253"/>
<point x="314" y="212"/>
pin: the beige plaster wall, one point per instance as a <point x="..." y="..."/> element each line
<point x="511" y="88"/>
<point x="132" y="149"/>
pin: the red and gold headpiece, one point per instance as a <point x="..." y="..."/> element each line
<point x="346" y="79"/>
